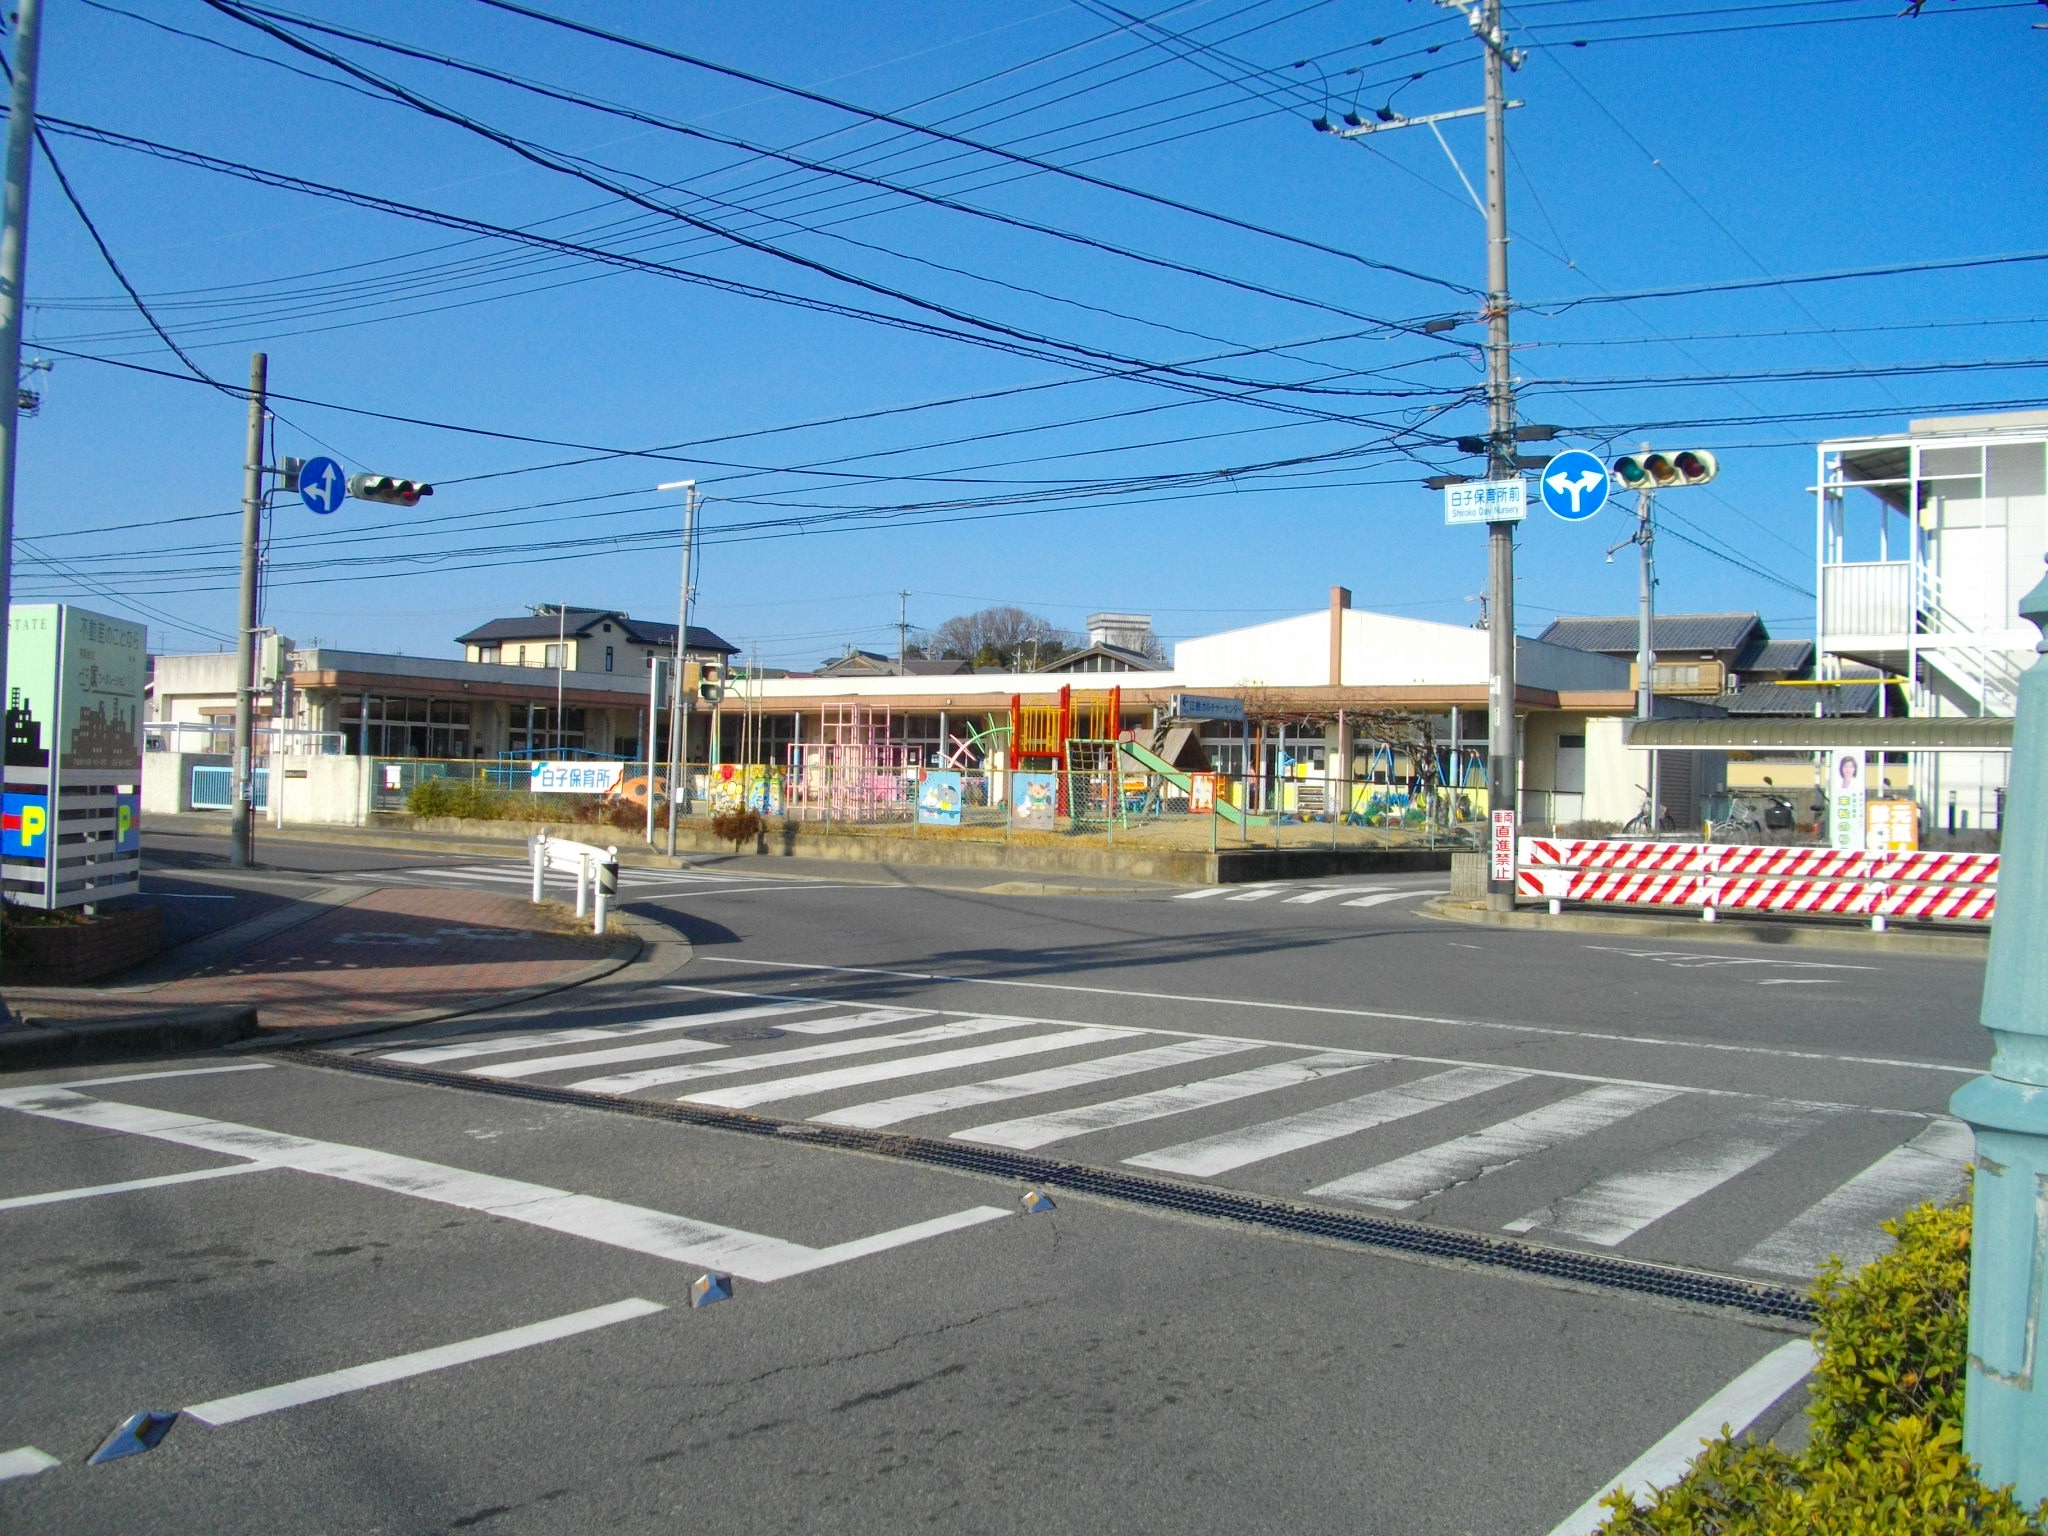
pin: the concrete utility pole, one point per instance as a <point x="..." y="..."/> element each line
<point x="2005" y="1397"/>
<point x="679" y="701"/>
<point x="1646" y="652"/>
<point x="1503" y="748"/>
<point x="902" y="631"/>
<point x="243" y="829"/>
<point x="21" y="143"/>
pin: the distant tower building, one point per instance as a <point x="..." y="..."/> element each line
<point x="1131" y="631"/>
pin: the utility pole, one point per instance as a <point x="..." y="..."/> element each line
<point x="679" y="700"/>
<point x="1646" y="653"/>
<point x="561" y="659"/>
<point x="243" y="829"/>
<point x="902" y="632"/>
<point x="1503" y="748"/>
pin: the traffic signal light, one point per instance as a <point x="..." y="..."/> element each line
<point x="710" y="682"/>
<point x="388" y="488"/>
<point x="1664" y="471"/>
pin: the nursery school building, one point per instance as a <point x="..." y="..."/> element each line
<point x="1307" y="708"/>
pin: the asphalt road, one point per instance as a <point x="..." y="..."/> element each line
<point x="1721" y="1109"/>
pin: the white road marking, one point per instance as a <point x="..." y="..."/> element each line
<point x="1931" y="1166"/>
<point x="1797" y="981"/>
<point x="313" y="1389"/>
<point x="1374" y="901"/>
<point x="56" y="1196"/>
<point x="744" y="1094"/>
<point x="1685" y="959"/>
<point x="1361" y="1013"/>
<point x="852" y="1021"/>
<point x="1735" y="1407"/>
<point x="936" y="1101"/>
<point x="654" y="1049"/>
<point x="498" y="1045"/>
<point x="1257" y="893"/>
<point x="761" y="1061"/>
<point x="1038" y="1130"/>
<point x="1613" y="1209"/>
<point x="150" y="1077"/>
<point x="1400" y="1183"/>
<point x="1203" y="894"/>
<point x="1255" y="1143"/>
<point x="25" y="1461"/>
<point x="1308" y="898"/>
<point x="678" y="1239"/>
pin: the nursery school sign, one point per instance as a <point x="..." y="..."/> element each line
<point x="575" y="778"/>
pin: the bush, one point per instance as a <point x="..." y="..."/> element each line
<point x="466" y="798"/>
<point x="736" y="827"/>
<point x="1885" y="1455"/>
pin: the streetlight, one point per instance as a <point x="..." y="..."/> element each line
<point x="679" y="701"/>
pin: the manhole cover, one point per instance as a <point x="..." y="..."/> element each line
<point x="729" y="1032"/>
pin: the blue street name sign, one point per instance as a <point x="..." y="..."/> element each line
<point x="322" y="485"/>
<point x="1574" y="485"/>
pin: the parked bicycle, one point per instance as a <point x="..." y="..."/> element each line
<point x="1640" y="824"/>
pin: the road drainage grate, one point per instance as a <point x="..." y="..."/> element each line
<point x="1695" y="1287"/>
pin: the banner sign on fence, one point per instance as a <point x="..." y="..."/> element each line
<point x="1034" y="800"/>
<point x="575" y="778"/>
<point x="1196" y="706"/>
<point x="1503" y="845"/>
<point x="1894" y="826"/>
<point x="1845" y="797"/>
<point x="1201" y="794"/>
<point x="938" y="798"/>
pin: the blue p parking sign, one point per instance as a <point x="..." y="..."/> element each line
<point x="1574" y="485"/>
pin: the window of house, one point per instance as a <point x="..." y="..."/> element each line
<point x="406" y="727"/>
<point x="487" y="653"/>
<point x="522" y="655"/>
<point x="607" y="655"/>
<point x="551" y="656"/>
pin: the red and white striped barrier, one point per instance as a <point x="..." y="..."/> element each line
<point x="1715" y="877"/>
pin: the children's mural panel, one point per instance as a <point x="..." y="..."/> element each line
<point x="1035" y="799"/>
<point x="938" y="798"/>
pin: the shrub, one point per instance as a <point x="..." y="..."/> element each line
<point x="736" y="827"/>
<point x="1885" y="1455"/>
<point x="469" y="799"/>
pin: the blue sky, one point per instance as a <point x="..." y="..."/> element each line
<point x="1683" y="145"/>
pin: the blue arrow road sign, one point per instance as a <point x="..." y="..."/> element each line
<point x="1574" y="485"/>
<point x="322" y="485"/>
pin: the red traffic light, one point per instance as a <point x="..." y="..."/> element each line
<point x="389" y="489"/>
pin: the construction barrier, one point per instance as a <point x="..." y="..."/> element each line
<point x="1730" y="877"/>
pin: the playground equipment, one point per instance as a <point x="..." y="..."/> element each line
<point x="1149" y="761"/>
<point x="857" y="771"/>
<point x="1040" y="734"/>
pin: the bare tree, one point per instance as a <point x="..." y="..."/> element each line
<point x="999" y="636"/>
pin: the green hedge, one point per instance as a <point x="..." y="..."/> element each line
<point x="1885" y="1456"/>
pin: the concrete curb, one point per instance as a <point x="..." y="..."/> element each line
<point x="1893" y="941"/>
<point x="74" y="1044"/>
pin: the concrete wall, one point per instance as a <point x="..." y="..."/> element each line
<point x="167" y="780"/>
<point x="1612" y="772"/>
<point x="183" y="683"/>
<point x="320" y="791"/>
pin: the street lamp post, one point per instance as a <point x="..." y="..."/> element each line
<point x="2005" y="1397"/>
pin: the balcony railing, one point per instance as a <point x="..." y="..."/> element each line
<point x="1866" y="598"/>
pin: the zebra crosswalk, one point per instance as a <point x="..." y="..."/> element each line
<point x="1708" y="1177"/>
<point x="1293" y="894"/>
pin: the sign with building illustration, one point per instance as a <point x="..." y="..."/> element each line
<point x="70" y="831"/>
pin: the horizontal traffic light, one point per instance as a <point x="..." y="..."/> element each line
<point x="388" y="488"/>
<point x="1664" y="471"/>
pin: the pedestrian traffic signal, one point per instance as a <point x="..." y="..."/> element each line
<point x="1664" y="471"/>
<point x="710" y="682"/>
<point x="388" y="488"/>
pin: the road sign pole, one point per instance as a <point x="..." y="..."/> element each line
<point x="1503" y="778"/>
<point x="243" y="827"/>
<point x="2005" y="1396"/>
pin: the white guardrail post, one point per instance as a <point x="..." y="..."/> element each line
<point x="607" y="873"/>
<point x="537" y="850"/>
<point x="596" y="871"/>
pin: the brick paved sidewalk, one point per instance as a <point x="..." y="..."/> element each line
<point x="385" y="954"/>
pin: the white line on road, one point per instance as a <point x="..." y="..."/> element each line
<point x="1374" y="901"/>
<point x="1255" y="1143"/>
<point x="496" y="1045"/>
<point x="1929" y="1167"/>
<point x="762" y="1061"/>
<point x="25" y="1461"/>
<point x="1400" y="1183"/>
<point x="1259" y="893"/>
<point x="56" y="1196"/>
<point x="1355" y="1013"/>
<point x="745" y="1094"/>
<point x="1205" y="892"/>
<point x="1038" y="1130"/>
<point x="1308" y="898"/>
<point x="678" y="1239"/>
<point x="313" y="1389"/>
<point x="938" y="1101"/>
<point x="1686" y="959"/>
<point x="1734" y="1407"/>
<point x="1615" y="1208"/>
<point x="1797" y="981"/>
<point x="150" y="1077"/>
<point x="576" y="1060"/>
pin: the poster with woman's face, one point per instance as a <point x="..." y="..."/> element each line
<point x="1845" y="798"/>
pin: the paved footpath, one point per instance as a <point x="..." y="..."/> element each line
<point x="375" y="957"/>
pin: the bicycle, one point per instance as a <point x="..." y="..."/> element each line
<point x="1639" y="824"/>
